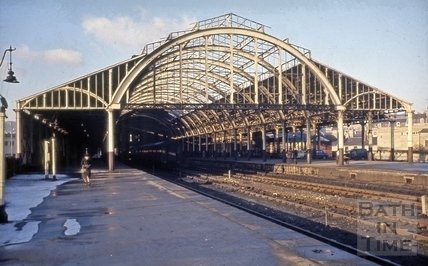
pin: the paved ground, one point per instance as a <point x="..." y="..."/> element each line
<point x="132" y="218"/>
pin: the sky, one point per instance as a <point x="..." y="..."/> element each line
<point x="381" y="42"/>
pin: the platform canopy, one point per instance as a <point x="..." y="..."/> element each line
<point x="223" y="74"/>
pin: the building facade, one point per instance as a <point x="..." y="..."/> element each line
<point x="392" y="136"/>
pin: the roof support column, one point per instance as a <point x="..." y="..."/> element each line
<point x="18" y="136"/>
<point x="264" y="143"/>
<point x="193" y="145"/>
<point x="188" y="144"/>
<point x="206" y="142"/>
<point x="363" y="133"/>
<point x="110" y="85"/>
<point x="46" y="158"/>
<point x="249" y="142"/>
<point x="293" y="145"/>
<point x="409" y="136"/>
<point x="277" y="146"/>
<point x="200" y="143"/>
<point x="230" y="145"/>
<point x="287" y="141"/>
<point x="240" y="142"/>
<point x="340" y="135"/>
<point x="284" y="136"/>
<point x="110" y="142"/>
<point x="308" y="140"/>
<point x="256" y="74"/>
<point x="181" y="73"/>
<point x="370" y="135"/>
<point x="340" y="88"/>
<point x="214" y="140"/>
<point x="154" y="84"/>
<point x="232" y="92"/>
<point x="280" y="53"/>
<point x="3" y="214"/>
<point x="302" y="143"/>
<point x="303" y="77"/>
<point x="223" y="145"/>
<point x="89" y="92"/>
<point x="235" y="144"/>
<point x="206" y="69"/>
<point x="54" y="154"/>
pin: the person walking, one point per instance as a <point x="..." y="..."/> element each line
<point x="86" y="167"/>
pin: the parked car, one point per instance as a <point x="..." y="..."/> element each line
<point x="301" y="154"/>
<point x="320" y="154"/>
<point x="298" y="154"/>
<point x="358" y="154"/>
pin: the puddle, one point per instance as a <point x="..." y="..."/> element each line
<point x="22" y="232"/>
<point x="324" y="253"/>
<point x="72" y="227"/>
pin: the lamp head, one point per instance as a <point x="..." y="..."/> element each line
<point x="10" y="77"/>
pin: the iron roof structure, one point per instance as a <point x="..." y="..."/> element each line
<point x="223" y="74"/>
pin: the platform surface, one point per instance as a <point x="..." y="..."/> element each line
<point x="130" y="217"/>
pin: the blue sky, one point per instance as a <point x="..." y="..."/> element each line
<point x="381" y="42"/>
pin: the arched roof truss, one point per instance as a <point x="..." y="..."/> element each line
<point x="224" y="74"/>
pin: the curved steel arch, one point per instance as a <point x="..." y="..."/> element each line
<point x="200" y="122"/>
<point x="163" y="75"/>
<point x="210" y="74"/>
<point x="27" y="104"/>
<point x="155" y="118"/>
<point x="241" y="53"/>
<point x="150" y="58"/>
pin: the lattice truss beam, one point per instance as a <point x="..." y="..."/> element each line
<point x="225" y="73"/>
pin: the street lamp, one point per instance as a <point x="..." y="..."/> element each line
<point x="3" y="105"/>
<point x="10" y="77"/>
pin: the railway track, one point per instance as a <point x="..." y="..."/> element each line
<point x="265" y="213"/>
<point x="331" y="205"/>
<point x="332" y="196"/>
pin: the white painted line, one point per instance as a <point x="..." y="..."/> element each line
<point x="162" y="188"/>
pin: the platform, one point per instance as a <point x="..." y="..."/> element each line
<point x="397" y="173"/>
<point x="130" y="217"/>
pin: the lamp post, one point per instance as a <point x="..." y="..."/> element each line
<point x="392" y="123"/>
<point x="3" y="106"/>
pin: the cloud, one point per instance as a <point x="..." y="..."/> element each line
<point x="123" y="32"/>
<point x="53" y="56"/>
<point x="63" y="56"/>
